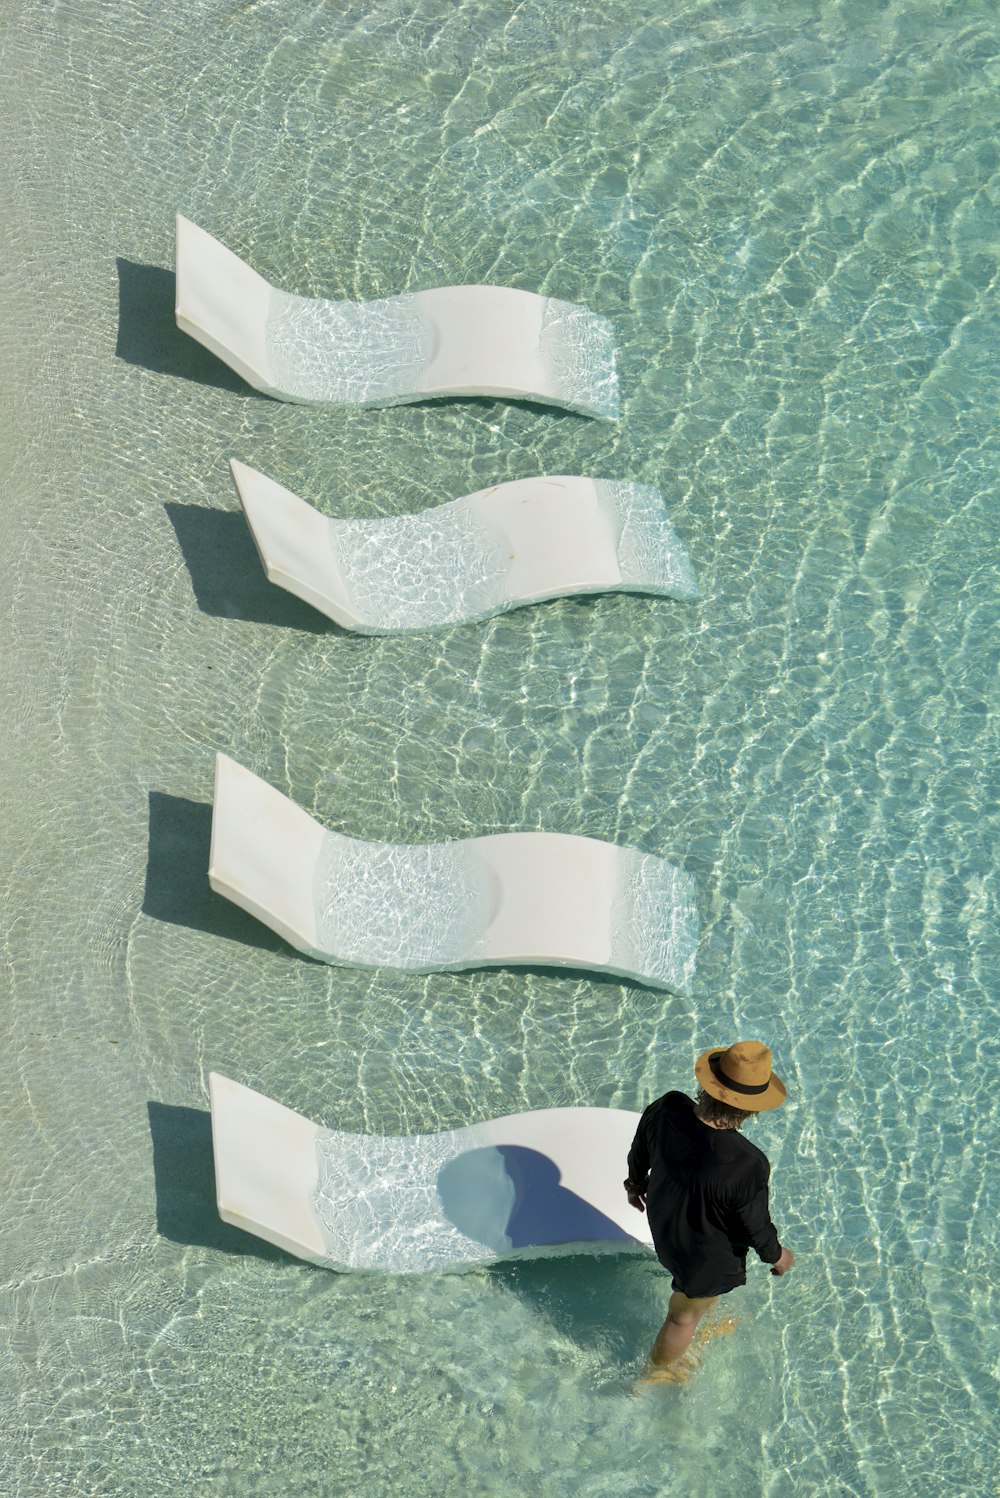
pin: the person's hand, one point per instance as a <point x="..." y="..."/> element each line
<point x="636" y="1197"/>
<point x="784" y="1264"/>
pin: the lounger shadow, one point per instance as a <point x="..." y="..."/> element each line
<point x="180" y="836"/>
<point x="225" y="573"/>
<point x="451" y="341"/>
<point x="522" y="899"/>
<point x="498" y="549"/>
<point x="531" y="1184"/>
<point x="149" y="338"/>
<point x="184" y="1176"/>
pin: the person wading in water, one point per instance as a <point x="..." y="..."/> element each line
<point x="704" y="1187"/>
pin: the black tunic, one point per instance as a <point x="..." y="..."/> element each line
<point x="706" y="1198"/>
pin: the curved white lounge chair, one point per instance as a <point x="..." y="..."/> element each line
<point x="494" y="550"/>
<point x="531" y="1185"/>
<point x="453" y="341"/>
<point x="512" y="898"/>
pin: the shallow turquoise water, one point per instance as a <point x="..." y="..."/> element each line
<point x="791" y="215"/>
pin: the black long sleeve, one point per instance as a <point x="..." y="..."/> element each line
<point x="706" y="1197"/>
<point x="638" y="1157"/>
<point x="754" y="1217"/>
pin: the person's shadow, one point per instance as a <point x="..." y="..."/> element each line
<point x="509" y="1197"/>
<point x="609" y="1303"/>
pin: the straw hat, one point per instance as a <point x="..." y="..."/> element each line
<point x="741" y="1077"/>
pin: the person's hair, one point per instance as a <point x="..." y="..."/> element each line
<point x="713" y="1110"/>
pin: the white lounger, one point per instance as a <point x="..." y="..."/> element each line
<point x="513" y="898"/>
<point x="453" y="341"/>
<point x="512" y="544"/>
<point x="534" y="1184"/>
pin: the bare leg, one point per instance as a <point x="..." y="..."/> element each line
<point x="674" y="1336"/>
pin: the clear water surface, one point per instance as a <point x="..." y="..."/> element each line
<point x="790" y="213"/>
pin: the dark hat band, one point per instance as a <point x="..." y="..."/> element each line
<point x="727" y="1081"/>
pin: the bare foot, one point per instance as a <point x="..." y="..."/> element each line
<point x="680" y="1371"/>
<point x="724" y="1327"/>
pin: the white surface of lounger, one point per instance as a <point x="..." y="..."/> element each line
<point x="452" y="341"/>
<point x="530" y="1185"/>
<point x="513" y="544"/>
<point x="510" y="899"/>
